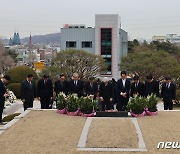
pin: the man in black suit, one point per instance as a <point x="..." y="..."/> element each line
<point x="28" y="92"/>
<point x="76" y="86"/>
<point x="45" y="92"/>
<point x="151" y="86"/>
<point x="61" y="85"/>
<point x="91" y="87"/>
<point x="168" y="93"/>
<point x="106" y="94"/>
<point x="114" y="84"/>
<point x="137" y="87"/>
<point x="123" y="89"/>
<point x="3" y="93"/>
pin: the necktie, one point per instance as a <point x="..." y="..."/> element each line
<point x="30" y="84"/>
<point x="124" y="83"/>
<point x="75" y="82"/>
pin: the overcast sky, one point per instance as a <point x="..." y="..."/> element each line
<point x="140" y="18"/>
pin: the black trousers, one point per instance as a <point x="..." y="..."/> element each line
<point x="106" y="105"/>
<point x="122" y="103"/>
<point x="168" y="104"/>
<point x="1" y="110"/>
<point x="45" y="102"/>
<point x="28" y="104"/>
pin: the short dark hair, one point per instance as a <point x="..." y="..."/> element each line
<point x="123" y="72"/>
<point x="30" y="75"/>
<point x="61" y="75"/>
<point x="168" y="78"/>
<point x="136" y="77"/>
<point x="91" y="78"/>
<point x="7" y="77"/>
<point x="113" y="79"/>
<point x="45" y="76"/>
<point x="149" y="77"/>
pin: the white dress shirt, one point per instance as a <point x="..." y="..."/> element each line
<point x="124" y="82"/>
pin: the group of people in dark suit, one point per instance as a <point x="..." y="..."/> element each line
<point x="126" y="89"/>
<point x="43" y="91"/>
<point x="107" y="92"/>
<point x="151" y="86"/>
<point x="120" y="91"/>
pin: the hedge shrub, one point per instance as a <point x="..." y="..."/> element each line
<point x="19" y="73"/>
<point x="10" y="117"/>
<point x="16" y="88"/>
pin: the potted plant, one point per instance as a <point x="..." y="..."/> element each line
<point x="88" y="106"/>
<point x="72" y="105"/>
<point x="151" y="105"/>
<point x="136" y="106"/>
<point x="61" y="103"/>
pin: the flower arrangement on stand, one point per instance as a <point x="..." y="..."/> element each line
<point x="136" y="106"/>
<point x="10" y="99"/>
<point x="151" y="105"/>
<point x="61" y="103"/>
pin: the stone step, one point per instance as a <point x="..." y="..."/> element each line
<point x="112" y="114"/>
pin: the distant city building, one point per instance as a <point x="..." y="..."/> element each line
<point x="159" y="38"/>
<point x="106" y="39"/>
<point x="15" y="40"/>
<point x="173" y="38"/>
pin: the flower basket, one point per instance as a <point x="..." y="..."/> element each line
<point x="61" y="103"/>
<point x="88" y="115"/>
<point x="73" y="113"/>
<point x="138" y="115"/>
<point x="80" y="113"/>
<point x="88" y="106"/>
<point x="149" y="113"/>
<point x="63" y="111"/>
<point x="72" y="105"/>
<point x="136" y="106"/>
<point x="151" y="105"/>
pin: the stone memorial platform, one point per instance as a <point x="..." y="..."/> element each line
<point x="112" y="114"/>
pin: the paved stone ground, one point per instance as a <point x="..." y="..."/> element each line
<point x="160" y="106"/>
<point x="18" y="107"/>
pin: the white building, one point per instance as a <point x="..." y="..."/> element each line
<point x="106" y="39"/>
<point x="173" y="38"/>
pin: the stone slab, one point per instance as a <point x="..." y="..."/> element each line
<point x="112" y="114"/>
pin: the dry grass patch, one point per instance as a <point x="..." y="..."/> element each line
<point x="43" y="132"/>
<point x="112" y="133"/>
<point x="165" y="127"/>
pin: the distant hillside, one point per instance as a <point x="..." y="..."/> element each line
<point x="48" y="38"/>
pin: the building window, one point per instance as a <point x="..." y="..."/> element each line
<point x="106" y="47"/>
<point x="87" y="44"/>
<point x="70" y="44"/>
